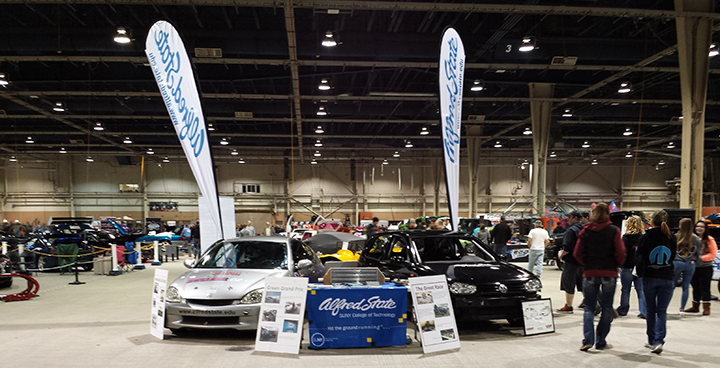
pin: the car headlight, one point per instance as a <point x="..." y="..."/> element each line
<point x="172" y="295"/>
<point x="253" y="297"/>
<point x="533" y="285"/>
<point x="462" y="288"/>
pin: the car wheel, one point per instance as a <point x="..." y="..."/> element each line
<point x="5" y="282"/>
<point x="515" y="322"/>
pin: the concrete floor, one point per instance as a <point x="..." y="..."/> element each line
<point x="106" y="322"/>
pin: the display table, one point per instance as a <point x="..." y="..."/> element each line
<point x="346" y="317"/>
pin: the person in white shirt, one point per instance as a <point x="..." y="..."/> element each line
<point x="538" y="239"/>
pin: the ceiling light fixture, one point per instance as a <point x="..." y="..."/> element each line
<point x="552" y="154"/>
<point x="98" y="126"/>
<point x="714" y="51"/>
<point x="29" y="140"/>
<point x="671" y="145"/>
<point x="396" y="154"/>
<point x="313" y="162"/>
<point x="166" y="159"/>
<point x="211" y="128"/>
<point x="628" y="155"/>
<point x="477" y="86"/>
<point x="319" y="130"/>
<point x="625" y="87"/>
<point x="13" y="159"/>
<point x="627" y="132"/>
<point x="317" y="154"/>
<point x="122" y="36"/>
<point x="424" y="131"/>
<point x="318" y="143"/>
<point x="324" y="86"/>
<point x="62" y="150"/>
<point x="89" y="159"/>
<point x="385" y="162"/>
<point x="127" y="140"/>
<point x="586" y="144"/>
<point x="329" y="41"/>
<point x="408" y="144"/>
<point x="234" y="152"/>
<point x="594" y="162"/>
<point x="150" y="151"/>
<point x="59" y="107"/>
<point x="568" y="113"/>
<point x="224" y="141"/>
<point x="528" y="44"/>
<point x="3" y="81"/>
<point x="497" y="144"/>
<point x="661" y="162"/>
<point x="241" y="161"/>
<point x="321" y="111"/>
<point x="527" y="131"/>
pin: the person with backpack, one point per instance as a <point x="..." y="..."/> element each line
<point x="688" y="247"/>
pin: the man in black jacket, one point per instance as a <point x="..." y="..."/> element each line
<point x="501" y="233"/>
<point x="572" y="271"/>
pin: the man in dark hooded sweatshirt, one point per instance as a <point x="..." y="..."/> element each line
<point x="601" y="251"/>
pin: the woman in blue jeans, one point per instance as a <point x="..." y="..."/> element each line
<point x="688" y="246"/>
<point x="655" y="256"/>
<point x="634" y="228"/>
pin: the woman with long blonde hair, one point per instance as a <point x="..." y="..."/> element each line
<point x="634" y="228"/>
<point x="688" y="247"/>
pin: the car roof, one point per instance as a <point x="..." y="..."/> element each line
<point x="266" y="239"/>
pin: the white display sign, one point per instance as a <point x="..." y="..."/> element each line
<point x="157" y="313"/>
<point x="175" y="79"/>
<point x="451" y="74"/>
<point x="538" y="317"/>
<point x="434" y="313"/>
<point x="280" y="324"/>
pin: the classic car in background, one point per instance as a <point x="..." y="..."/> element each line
<point x="224" y="288"/>
<point x="482" y="286"/>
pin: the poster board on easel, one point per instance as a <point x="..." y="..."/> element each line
<point x="434" y="313"/>
<point x="538" y="317"/>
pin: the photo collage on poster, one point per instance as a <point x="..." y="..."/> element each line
<point x="281" y="315"/>
<point x="433" y="309"/>
<point x="157" y="315"/>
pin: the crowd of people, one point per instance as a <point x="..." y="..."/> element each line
<point x="595" y="254"/>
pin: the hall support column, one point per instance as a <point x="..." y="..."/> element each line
<point x="540" y="111"/>
<point x="694" y="36"/>
<point x="437" y="179"/>
<point x="474" y="141"/>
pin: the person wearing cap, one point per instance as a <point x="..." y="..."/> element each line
<point x="538" y="239"/>
<point x="500" y="234"/>
<point x="571" y="277"/>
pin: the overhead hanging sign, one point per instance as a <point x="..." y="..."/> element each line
<point x="451" y="72"/>
<point x="174" y="76"/>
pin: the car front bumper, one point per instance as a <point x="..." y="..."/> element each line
<point x="186" y="315"/>
<point x="480" y="308"/>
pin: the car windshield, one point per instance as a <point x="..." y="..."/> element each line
<point x="432" y="249"/>
<point x="245" y="254"/>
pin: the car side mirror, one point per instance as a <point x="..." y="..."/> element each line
<point x="189" y="262"/>
<point x="304" y="264"/>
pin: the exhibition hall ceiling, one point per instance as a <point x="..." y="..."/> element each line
<point x="381" y="78"/>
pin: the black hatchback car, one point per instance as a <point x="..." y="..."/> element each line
<point x="482" y="286"/>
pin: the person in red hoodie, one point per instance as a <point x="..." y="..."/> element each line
<point x="601" y="251"/>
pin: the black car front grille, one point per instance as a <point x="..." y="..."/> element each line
<point x="211" y="302"/>
<point x="513" y="288"/>
<point x="210" y="321"/>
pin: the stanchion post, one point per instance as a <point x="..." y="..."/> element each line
<point x="156" y="261"/>
<point x="4" y="248"/>
<point x="138" y="261"/>
<point x="21" y="253"/>
<point x="77" y="281"/>
<point x="115" y="270"/>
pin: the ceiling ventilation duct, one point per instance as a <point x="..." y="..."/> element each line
<point x="208" y="52"/>
<point x="564" y="60"/>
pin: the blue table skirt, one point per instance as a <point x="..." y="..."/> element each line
<point x="342" y="317"/>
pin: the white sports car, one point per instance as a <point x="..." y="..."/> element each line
<point x="224" y="288"/>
